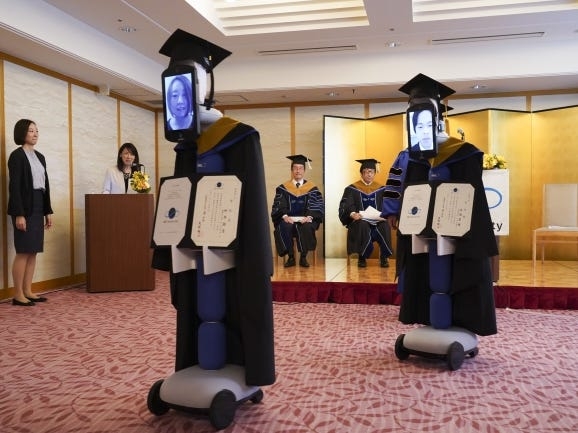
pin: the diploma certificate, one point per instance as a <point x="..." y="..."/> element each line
<point x="172" y="211"/>
<point x="453" y="209"/>
<point x="414" y="209"/>
<point x="216" y="212"/>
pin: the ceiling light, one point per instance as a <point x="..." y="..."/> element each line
<point x="478" y="86"/>
<point x="274" y="16"/>
<point x="429" y="10"/>
<point x="127" y="29"/>
<point x="486" y="38"/>
<point x="307" y="50"/>
<point x="392" y="44"/>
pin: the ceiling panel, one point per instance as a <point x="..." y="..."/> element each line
<point x="348" y="49"/>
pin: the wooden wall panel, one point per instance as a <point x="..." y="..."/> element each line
<point x="554" y="160"/>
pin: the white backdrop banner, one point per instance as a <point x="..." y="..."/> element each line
<point x="497" y="186"/>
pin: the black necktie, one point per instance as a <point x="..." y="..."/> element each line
<point x="298" y="184"/>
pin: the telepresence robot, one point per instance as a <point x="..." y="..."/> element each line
<point x="436" y="210"/>
<point x="197" y="218"/>
<point x="441" y="340"/>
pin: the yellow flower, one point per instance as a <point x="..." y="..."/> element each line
<point x="139" y="182"/>
<point x="491" y="161"/>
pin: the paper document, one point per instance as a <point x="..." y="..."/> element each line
<point x="216" y="212"/>
<point x="172" y="211"/>
<point x="453" y="209"/>
<point x="371" y="213"/>
<point x="414" y="209"/>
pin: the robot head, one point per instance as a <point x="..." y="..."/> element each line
<point x="425" y="124"/>
<point x="185" y="84"/>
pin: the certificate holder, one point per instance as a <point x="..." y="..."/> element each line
<point x="441" y="209"/>
<point x="200" y="210"/>
<point x="172" y="211"/>
<point x="415" y="214"/>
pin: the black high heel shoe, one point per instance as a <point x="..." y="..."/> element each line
<point x="22" y="304"/>
<point x="39" y="299"/>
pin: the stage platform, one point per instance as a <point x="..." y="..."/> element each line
<point x="550" y="285"/>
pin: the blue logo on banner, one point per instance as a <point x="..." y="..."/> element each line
<point x="494" y="197"/>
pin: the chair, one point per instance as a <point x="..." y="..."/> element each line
<point x="559" y="217"/>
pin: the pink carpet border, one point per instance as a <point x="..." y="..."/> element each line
<point x="542" y="298"/>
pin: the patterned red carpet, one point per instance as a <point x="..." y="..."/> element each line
<point x="85" y="363"/>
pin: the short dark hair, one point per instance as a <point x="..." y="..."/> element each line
<point x="21" y="130"/>
<point x="132" y="149"/>
<point x="299" y="163"/>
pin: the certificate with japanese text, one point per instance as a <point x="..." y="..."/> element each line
<point x="452" y="215"/>
<point x="216" y="211"/>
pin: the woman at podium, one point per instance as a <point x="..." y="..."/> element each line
<point x="117" y="178"/>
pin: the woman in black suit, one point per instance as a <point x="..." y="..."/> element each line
<point x="30" y="209"/>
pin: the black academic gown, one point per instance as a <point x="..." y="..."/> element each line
<point x="471" y="280"/>
<point x="249" y="310"/>
<point x="356" y="197"/>
<point x="303" y="201"/>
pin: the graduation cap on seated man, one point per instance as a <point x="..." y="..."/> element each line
<point x="300" y="159"/>
<point x="425" y="125"/>
<point x="368" y="163"/>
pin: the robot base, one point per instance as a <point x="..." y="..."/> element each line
<point x="218" y="392"/>
<point x="451" y="344"/>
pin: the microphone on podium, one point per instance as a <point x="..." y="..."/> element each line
<point x="137" y="166"/>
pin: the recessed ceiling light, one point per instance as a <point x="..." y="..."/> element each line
<point x="392" y="44"/>
<point x="478" y="86"/>
<point x="332" y="94"/>
<point x="127" y="29"/>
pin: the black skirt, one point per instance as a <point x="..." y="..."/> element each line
<point x="32" y="240"/>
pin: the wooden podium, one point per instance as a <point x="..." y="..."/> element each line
<point x="118" y="236"/>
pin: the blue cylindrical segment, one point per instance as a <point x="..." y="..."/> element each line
<point x="211" y="302"/>
<point x="212" y="345"/>
<point x="440" y="313"/>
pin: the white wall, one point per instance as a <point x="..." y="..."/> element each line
<point x="79" y="134"/>
<point x="80" y="131"/>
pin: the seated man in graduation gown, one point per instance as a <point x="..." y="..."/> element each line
<point x="297" y="212"/>
<point x="359" y="211"/>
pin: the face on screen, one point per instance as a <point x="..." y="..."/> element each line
<point x="179" y="103"/>
<point x="423" y="129"/>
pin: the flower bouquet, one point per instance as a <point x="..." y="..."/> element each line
<point x="491" y="161"/>
<point x="139" y="182"/>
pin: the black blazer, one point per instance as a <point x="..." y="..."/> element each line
<point x="20" y="186"/>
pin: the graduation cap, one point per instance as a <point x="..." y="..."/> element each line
<point x="425" y="87"/>
<point x="299" y="159"/>
<point x="185" y="46"/>
<point x="368" y="163"/>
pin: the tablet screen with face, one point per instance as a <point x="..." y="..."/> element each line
<point x="180" y="103"/>
<point x="421" y="129"/>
